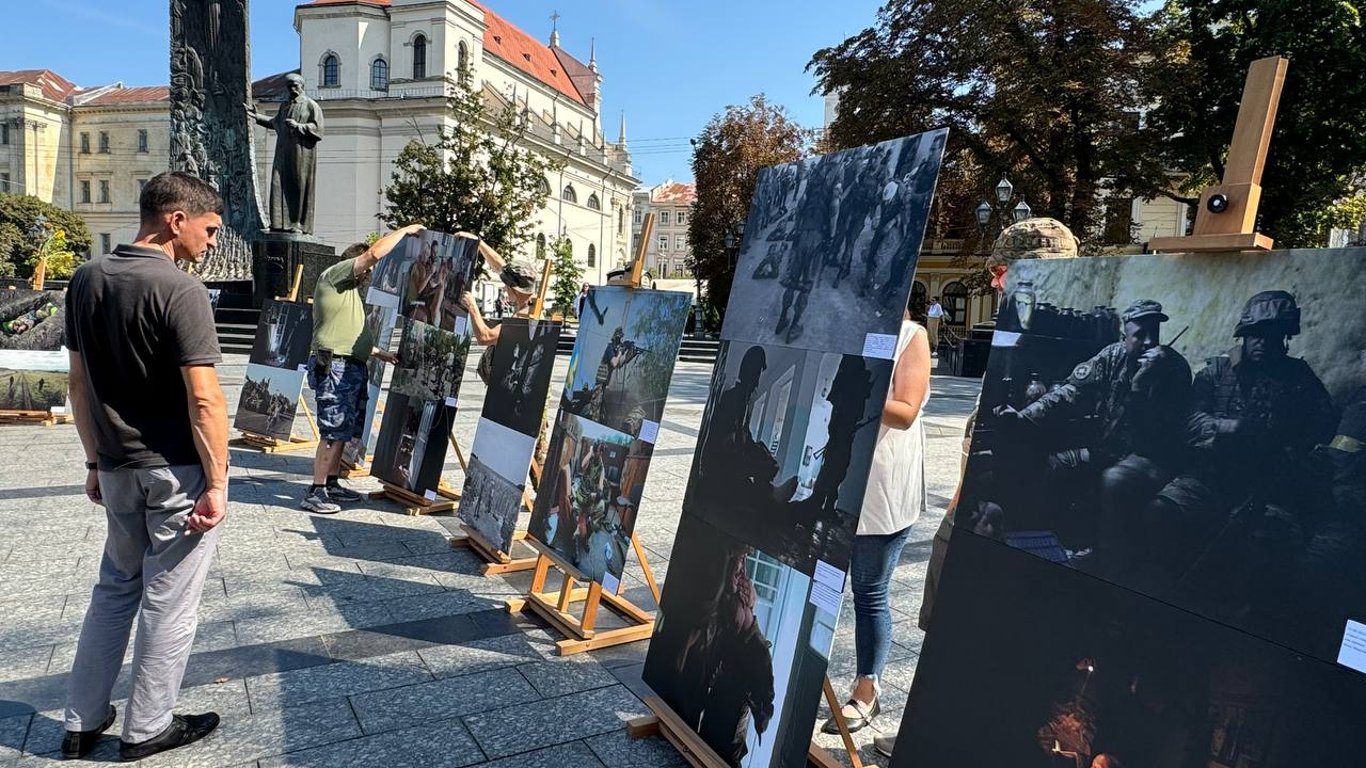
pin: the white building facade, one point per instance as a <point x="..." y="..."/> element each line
<point x="380" y="69"/>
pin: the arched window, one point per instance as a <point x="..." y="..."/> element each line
<point x="540" y="246"/>
<point x="920" y="299"/>
<point x="594" y="203"/>
<point x="954" y="300"/>
<point x="462" y="60"/>
<point x="420" y="57"/>
<point x="545" y="186"/>
<point x="569" y="194"/>
<point x="379" y="75"/>
<point x="592" y="256"/>
<point x="331" y="71"/>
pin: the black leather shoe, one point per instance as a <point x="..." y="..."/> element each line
<point x="78" y="744"/>
<point x="861" y="720"/>
<point x="184" y="729"/>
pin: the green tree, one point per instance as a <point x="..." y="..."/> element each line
<point x="1043" y="91"/>
<point x="19" y="215"/>
<point x="727" y="157"/>
<point x="1318" y="148"/>
<point x="478" y="175"/>
<point x="568" y="276"/>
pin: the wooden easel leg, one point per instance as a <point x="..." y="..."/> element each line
<point x="841" y="722"/>
<point x="645" y="566"/>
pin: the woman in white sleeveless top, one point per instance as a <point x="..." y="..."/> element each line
<point x="894" y="501"/>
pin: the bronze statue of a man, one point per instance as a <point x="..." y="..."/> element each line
<point x="298" y="128"/>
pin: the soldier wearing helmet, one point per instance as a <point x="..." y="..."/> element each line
<point x="731" y="458"/>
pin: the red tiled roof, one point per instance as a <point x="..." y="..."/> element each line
<point x="526" y="53"/>
<point x="507" y="42"/>
<point x="674" y="193"/>
<point x="140" y="95"/>
<point x="55" y="87"/>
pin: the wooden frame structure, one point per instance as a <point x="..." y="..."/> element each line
<point x="1227" y="217"/>
<point x="266" y="443"/>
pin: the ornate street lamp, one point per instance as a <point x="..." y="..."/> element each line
<point x="1021" y="211"/>
<point x="1004" y="191"/>
<point x="983" y="214"/>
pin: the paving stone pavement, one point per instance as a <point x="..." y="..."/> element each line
<point x="363" y="638"/>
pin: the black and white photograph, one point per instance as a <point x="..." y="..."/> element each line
<point x="411" y="449"/>
<point x="283" y="335"/>
<point x="1033" y="666"/>
<point x="831" y="245"/>
<point x="389" y="278"/>
<point x="494" y="483"/>
<point x="785" y="449"/>
<point x="739" y="650"/>
<point x="431" y="362"/>
<point x="519" y="374"/>
<point x="589" y="495"/>
<point x="624" y="356"/>
<point x="1188" y="427"/>
<point x="270" y="400"/>
<point x="33" y="380"/>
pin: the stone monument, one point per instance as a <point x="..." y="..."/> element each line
<point x="211" y="137"/>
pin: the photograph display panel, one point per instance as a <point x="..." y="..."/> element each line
<point x="33" y="380"/>
<point x="785" y="448"/>
<point x="441" y="270"/>
<point x="1219" y="470"/>
<point x="32" y="320"/>
<point x="270" y="401"/>
<point x="385" y="327"/>
<point x="495" y="481"/>
<point x="283" y="335"/>
<point x="1034" y="666"/>
<point x="624" y="356"/>
<point x="431" y="362"/>
<point x="519" y="374"/>
<point x="589" y="495"/>
<point x="411" y="450"/>
<point x="840" y="233"/>
<point x="740" y="647"/>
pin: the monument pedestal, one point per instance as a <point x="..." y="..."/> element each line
<point x="274" y="257"/>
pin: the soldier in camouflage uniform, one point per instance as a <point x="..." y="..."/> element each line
<point x="1137" y="391"/>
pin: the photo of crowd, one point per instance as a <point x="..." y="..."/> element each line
<point x="270" y="400"/>
<point x="494" y="482"/>
<point x="431" y="362"/>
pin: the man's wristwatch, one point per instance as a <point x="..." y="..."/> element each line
<point x="92" y="465"/>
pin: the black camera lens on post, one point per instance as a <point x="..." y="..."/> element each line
<point x="1217" y="203"/>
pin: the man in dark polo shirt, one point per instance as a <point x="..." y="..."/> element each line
<point x="342" y="344"/>
<point x="153" y="421"/>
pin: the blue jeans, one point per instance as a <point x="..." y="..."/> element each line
<point x="870" y="572"/>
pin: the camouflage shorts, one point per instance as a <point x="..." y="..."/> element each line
<point x="342" y="395"/>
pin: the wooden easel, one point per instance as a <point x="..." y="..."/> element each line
<point x="665" y="722"/>
<point x="580" y="631"/>
<point x="497" y="562"/>
<point x="266" y="443"/>
<point x="443" y="499"/>
<point x="1233" y="228"/>
<point x="555" y="607"/>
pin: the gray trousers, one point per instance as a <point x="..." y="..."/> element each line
<point x="150" y="563"/>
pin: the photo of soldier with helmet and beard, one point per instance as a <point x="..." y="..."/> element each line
<point x="1202" y="445"/>
<point x="739" y="649"/>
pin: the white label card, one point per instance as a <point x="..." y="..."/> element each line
<point x="649" y="431"/>
<point x="1353" y="651"/>
<point x="826" y="599"/>
<point x="610" y="583"/>
<point x="461" y="325"/>
<point x="881" y="345"/>
<point x="450" y="401"/>
<point x="303" y="367"/>
<point x="430" y="495"/>
<point x="830" y="576"/>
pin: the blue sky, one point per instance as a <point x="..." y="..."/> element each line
<point x="670" y="64"/>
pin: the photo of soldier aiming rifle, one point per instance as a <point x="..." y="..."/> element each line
<point x="1228" y="491"/>
<point x="590" y="402"/>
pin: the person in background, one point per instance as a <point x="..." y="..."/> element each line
<point x="342" y="344"/>
<point x="578" y="305"/>
<point x="520" y="285"/>
<point x="153" y="423"/>
<point x="935" y="315"/>
<point x="1038" y="238"/>
<point x="893" y="502"/>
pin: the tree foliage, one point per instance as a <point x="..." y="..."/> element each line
<point x="1042" y="91"/>
<point x="568" y="276"/>
<point x="1318" y="149"/>
<point x="475" y="175"/>
<point x="19" y="248"/>
<point x="727" y="157"/>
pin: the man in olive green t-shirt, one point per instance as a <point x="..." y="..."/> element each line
<point x="342" y="344"/>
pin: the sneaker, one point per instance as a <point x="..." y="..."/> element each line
<point x="884" y="743"/>
<point x="184" y="729"/>
<point x="78" y="744"/>
<point x="320" y="502"/>
<point x="338" y="492"/>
